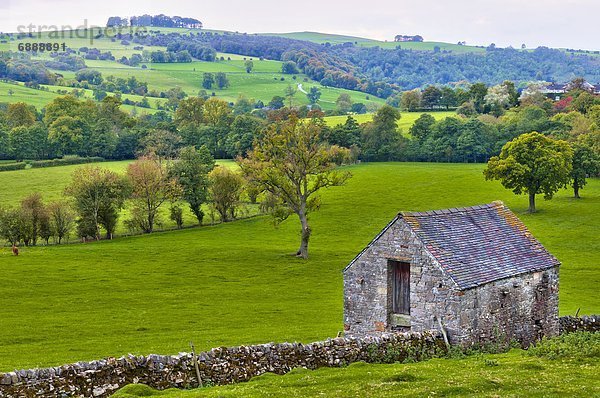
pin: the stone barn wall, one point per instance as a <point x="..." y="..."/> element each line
<point x="367" y="301"/>
<point x="218" y="366"/>
<point x="523" y="307"/>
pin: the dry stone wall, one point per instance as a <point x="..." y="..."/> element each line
<point x="569" y="324"/>
<point x="217" y="366"/>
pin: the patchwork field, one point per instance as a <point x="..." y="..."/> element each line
<point x="265" y="81"/>
<point x="236" y="283"/>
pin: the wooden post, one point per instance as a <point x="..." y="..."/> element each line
<point x="195" y="359"/>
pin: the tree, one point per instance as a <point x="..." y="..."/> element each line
<point x="497" y="99"/>
<point x="191" y="172"/>
<point x="33" y="211"/>
<point x="292" y="164"/>
<point x="222" y="80"/>
<point x="422" y="127"/>
<point x="249" y="66"/>
<point x="99" y="196"/>
<point x="344" y="102"/>
<point x="313" y="95"/>
<point x="431" y="97"/>
<point x="225" y="191"/>
<point x="289" y="68"/>
<point x="532" y="164"/>
<point x="151" y="186"/>
<point x="190" y="112"/>
<point x="381" y="140"/>
<point x="28" y="142"/>
<point x="290" y="92"/>
<point x="163" y="144"/>
<point x="276" y="102"/>
<point x="411" y="100"/>
<point x="61" y="220"/>
<point x="20" y="114"/>
<point x="477" y="93"/>
<point x="208" y="79"/>
<point x="586" y="163"/>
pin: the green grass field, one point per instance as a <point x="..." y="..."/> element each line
<point x="407" y="119"/>
<point x="512" y="374"/>
<point x="236" y="283"/>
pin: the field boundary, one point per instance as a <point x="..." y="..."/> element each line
<point x="215" y="367"/>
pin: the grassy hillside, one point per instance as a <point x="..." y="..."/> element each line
<point x="236" y="283"/>
<point x="513" y="374"/>
<point x="317" y="37"/>
<point x="263" y="83"/>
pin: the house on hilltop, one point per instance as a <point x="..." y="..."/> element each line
<point x="476" y="272"/>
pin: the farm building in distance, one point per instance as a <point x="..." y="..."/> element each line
<point x="476" y="272"/>
<point x="556" y="89"/>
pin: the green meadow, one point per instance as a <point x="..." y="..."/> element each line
<point x="236" y="283"/>
<point x="407" y="119"/>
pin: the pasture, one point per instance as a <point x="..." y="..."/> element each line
<point x="236" y="283"/>
<point x="407" y="119"/>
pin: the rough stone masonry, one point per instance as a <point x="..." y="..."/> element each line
<point x="217" y="366"/>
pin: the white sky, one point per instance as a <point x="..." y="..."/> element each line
<point x="553" y="23"/>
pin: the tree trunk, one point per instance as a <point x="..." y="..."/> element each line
<point x="305" y="235"/>
<point x="532" y="203"/>
<point x="576" y="189"/>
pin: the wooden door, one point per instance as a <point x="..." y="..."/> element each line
<point x="400" y="287"/>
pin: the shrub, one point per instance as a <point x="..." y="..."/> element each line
<point x="12" y="166"/>
<point x="66" y="161"/>
<point x="572" y="345"/>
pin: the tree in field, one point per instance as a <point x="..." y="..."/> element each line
<point x="411" y="100"/>
<point x="33" y="210"/>
<point x="208" y="79"/>
<point x="289" y="68"/>
<point x="28" y="142"/>
<point x="99" y="196"/>
<point x="431" y="97"/>
<point x="381" y="140"/>
<point x="532" y="164"/>
<point x="151" y="186"/>
<point x="221" y="80"/>
<point x="61" y="220"/>
<point x="11" y="225"/>
<point x="586" y="163"/>
<point x="290" y="92"/>
<point x="249" y="65"/>
<point x="291" y="163"/>
<point x="344" y="102"/>
<point x="191" y="172"/>
<point x="313" y="95"/>
<point x="225" y="191"/>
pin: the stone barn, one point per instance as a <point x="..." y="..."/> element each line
<point x="476" y="273"/>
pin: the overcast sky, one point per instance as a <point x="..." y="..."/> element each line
<point x="553" y="23"/>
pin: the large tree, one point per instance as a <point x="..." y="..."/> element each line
<point x="151" y="186"/>
<point x="586" y="163"/>
<point x="292" y="164"/>
<point x="99" y="196"/>
<point x="191" y="171"/>
<point x="532" y="164"/>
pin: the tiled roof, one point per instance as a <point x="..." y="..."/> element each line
<point x="480" y="244"/>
